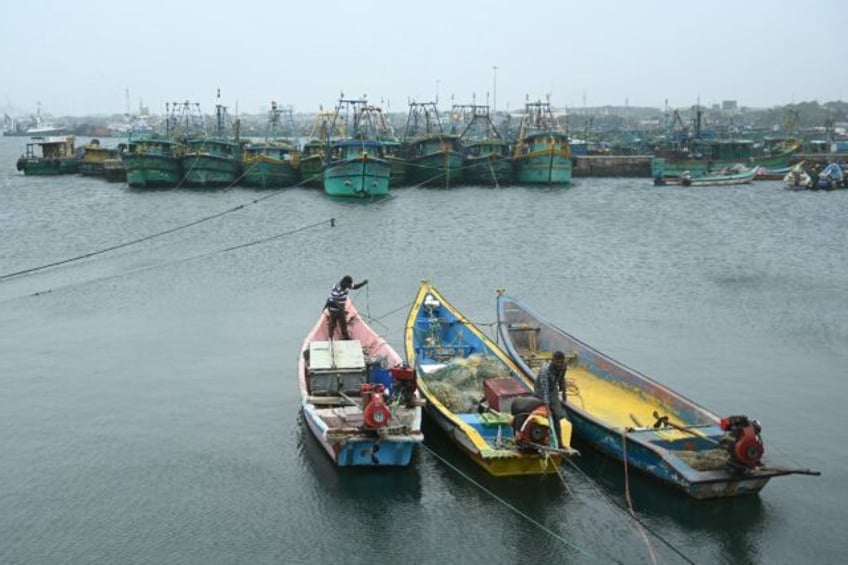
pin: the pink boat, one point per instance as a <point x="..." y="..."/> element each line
<point x="358" y="396"/>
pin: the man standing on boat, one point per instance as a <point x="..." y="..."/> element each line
<point x="336" y="304"/>
<point x="550" y="386"/>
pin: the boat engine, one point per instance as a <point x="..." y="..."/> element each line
<point x="742" y="439"/>
<point x="375" y="413"/>
<point x="530" y="421"/>
<point x="404" y="382"/>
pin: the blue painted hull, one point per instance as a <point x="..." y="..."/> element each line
<point x="362" y="452"/>
<point x="692" y="461"/>
<point x="441" y="338"/>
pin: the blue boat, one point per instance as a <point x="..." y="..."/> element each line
<point x="477" y="394"/>
<point x="541" y="153"/>
<point x="632" y="418"/>
<point x="358" y="398"/>
<point x="356" y="165"/>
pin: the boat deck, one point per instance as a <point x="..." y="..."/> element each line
<point x="622" y="407"/>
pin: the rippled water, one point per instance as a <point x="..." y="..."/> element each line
<point x="149" y="406"/>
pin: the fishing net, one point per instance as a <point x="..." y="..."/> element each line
<point x="704" y="460"/>
<point x="459" y="384"/>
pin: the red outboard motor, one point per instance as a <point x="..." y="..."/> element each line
<point x="530" y="422"/>
<point x="404" y="382"/>
<point x="375" y="413"/>
<point x="742" y="439"/>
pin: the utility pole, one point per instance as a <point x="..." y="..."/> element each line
<point x="494" y="89"/>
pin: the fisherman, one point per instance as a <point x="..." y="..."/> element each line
<point x="336" y="302"/>
<point x="550" y="387"/>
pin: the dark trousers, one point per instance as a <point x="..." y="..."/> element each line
<point x="337" y="317"/>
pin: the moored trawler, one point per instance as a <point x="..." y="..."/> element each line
<point x="274" y="162"/>
<point x="542" y="154"/>
<point x="213" y="161"/>
<point x="487" y="153"/>
<point x="49" y="156"/>
<point x="357" y="168"/>
<point x="152" y="161"/>
<point x="356" y="165"/>
<point x="433" y="157"/>
<point x="94" y="157"/>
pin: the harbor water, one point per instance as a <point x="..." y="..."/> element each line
<point x="149" y="408"/>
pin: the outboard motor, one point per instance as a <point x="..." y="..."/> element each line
<point x="375" y="413"/>
<point x="404" y="382"/>
<point x="530" y="421"/>
<point x="742" y="439"/>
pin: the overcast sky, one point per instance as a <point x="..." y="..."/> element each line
<point x="80" y="57"/>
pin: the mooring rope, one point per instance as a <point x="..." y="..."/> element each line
<point x="511" y="507"/>
<point x="138" y="240"/>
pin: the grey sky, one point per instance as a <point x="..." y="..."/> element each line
<point x="79" y="57"/>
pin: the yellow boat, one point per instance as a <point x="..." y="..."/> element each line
<point x="477" y="394"/>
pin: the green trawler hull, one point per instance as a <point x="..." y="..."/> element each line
<point x="665" y="167"/>
<point x="358" y="177"/>
<point x="269" y="174"/>
<point x="489" y="170"/>
<point x="210" y="170"/>
<point x="152" y="171"/>
<point x="312" y="170"/>
<point x="545" y="169"/>
<point x="436" y="169"/>
<point x="45" y="167"/>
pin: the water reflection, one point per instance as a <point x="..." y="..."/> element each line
<point x="735" y="524"/>
<point x="396" y="484"/>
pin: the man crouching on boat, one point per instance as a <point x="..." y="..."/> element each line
<point x="336" y="302"/>
<point x="550" y="385"/>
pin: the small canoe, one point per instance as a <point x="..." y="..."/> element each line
<point x="477" y="394"/>
<point x="358" y="398"/>
<point x="628" y="416"/>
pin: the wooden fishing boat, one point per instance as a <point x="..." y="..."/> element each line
<point x="313" y="154"/>
<point x="357" y="396"/>
<point x="628" y="416"/>
<point x="477" y="394"/>
<point x="213" y="160"/>
<point x="433" y="157"/>
<point x="94" y="157"/>
<point x="274" y="162"/>
<point x="542" y="154"/>
<point x="49" y="156"/>
<point x="487" y="154"/>
<point x="357" y="168"/>
<point x="356" y="165"/>
<point x="706" y="156"/>
<point x="736" y="174"/>
<point x="152" y="161"/>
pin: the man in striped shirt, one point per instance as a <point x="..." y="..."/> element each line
<point x="336" y="304"/>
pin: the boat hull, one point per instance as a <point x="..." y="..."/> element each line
<point x="442" y="169"/>
<point x="269" y="173"/>
<point x="360" y="451"/>
<point x="47" y="167"/>
<point x="438" y="341"/>
<point x="312" y="171"/>
<point x="550" y="168"/>
<point x="152" y="171"/>
<point x="332" y="376"/>
<point x="201" y="170"/>
<point x="358" y="177"/>
<point x="489" y="170"/>
<point x="615" y="407"/>
<point x="671" y="167"/>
